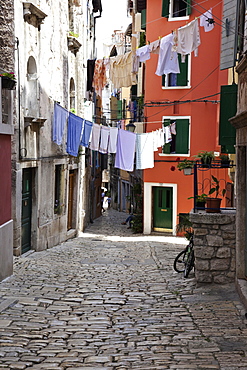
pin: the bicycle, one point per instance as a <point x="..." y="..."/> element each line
<point x="184" y="262"/>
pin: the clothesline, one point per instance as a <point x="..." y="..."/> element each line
<point x="123" y="68"/>
<point x="124" y="144"/>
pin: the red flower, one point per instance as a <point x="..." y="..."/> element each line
<point x="172" y="168"/>
<point x="177" y="159"/>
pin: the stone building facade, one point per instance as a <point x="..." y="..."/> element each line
<point x="50" y="188"/>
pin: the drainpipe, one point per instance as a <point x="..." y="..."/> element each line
<point x="19" y="95"/>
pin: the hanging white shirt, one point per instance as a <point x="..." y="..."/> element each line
<point x="204" y="21"/>
<point x="143" y="53"/>
<point x="188" y="39"/>
<point x="144" y="151"/>
<point x="168" y="135"/>
<point x="168" y="58"/>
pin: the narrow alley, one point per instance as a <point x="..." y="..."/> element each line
<point x="110" y="299"/>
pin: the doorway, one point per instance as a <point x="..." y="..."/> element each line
<point x="163" y="209"/>
<point x="26" y="216"/>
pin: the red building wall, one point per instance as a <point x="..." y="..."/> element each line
<point x="5" y="178"/>
<point x="206" y="79"/>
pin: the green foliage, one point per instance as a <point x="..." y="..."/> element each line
<point x="204" y="155"/>
<point x="186" y="163"/>
<point x="142" y="39"/>
<point x="71" y="33"/>
<point x="216" y="187"/>
<point x="137" y="224"/>
<point x="10" y="75"/>
<point x="184" y="226"/>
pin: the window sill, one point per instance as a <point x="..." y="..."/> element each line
<point x="176" y="19"/>
<point x="176" y="87"/>
<point x="173" y="155"/>
<point x="6" y="129"/>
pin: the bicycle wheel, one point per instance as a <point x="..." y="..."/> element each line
<point x="189" y="264"/>
<point x="178" y="264"/>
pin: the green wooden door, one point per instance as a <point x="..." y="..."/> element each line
<point x="162" y="208"/>
<point x="26" y="210"/>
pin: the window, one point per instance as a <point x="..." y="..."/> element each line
<point x="176" y="8"/>
<point x="178" y="130"/>
<point x="182" y="79"/>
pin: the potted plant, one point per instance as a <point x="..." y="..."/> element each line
<point x="206" y="158"/>
<point x="225" y="160"/>
<point x="200" y="200"/>
<point x="186" y="165"/>
<point x="213" y="204"/>
<point x="8" y="80"/>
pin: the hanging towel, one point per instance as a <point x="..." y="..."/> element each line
<point x="207" y="21"/>
<point x="59" y="120"/>
<point x="144" y="151"/>
<point x="155" y="140"/>
<point x="86" y="133"/>
<point x="168" y="135"/>
<point x="143" y="53"/>
<point x="112" y="147"/>
<point x="188" y="39"/>
<point x="125" y="150"/>
<point x="94" y="145"/>
<point x="168" y="58"/>
<point x="75" y="125"/>
<point x="104" y="139"/>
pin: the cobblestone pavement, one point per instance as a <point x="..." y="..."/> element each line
<point x="111" y="300"/>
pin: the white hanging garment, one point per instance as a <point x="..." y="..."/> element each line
<point x="168" y="58"/>
<point x="112" y="146"/>
<point x="206" y="21"/>
<point x="144" y="151"/>
<point x="188" y="39"/>
<point x="104" y="139"/>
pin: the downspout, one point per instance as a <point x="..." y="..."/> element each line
<point x="19" y="96"/>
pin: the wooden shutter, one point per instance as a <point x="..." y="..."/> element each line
<point x="182" y="137"/>
<point x="182" y="77"/>
<point x="143" y="19"/>
<point x="229" y="34"/>
<point x="228" y="108"/>
<point x="165" y="8"/>
<point x="166" y="147"/>
<point x="188" y="7"/>
<point x="119" y="109"/>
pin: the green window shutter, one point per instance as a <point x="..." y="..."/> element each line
<point x="143" y="19"/>
<point x="167" y="147"/>
<point x="163" y="80"/>
<point x="188" y="7"/>
<point x="182" y="77"/>
<point x="119" y="109"/>
<point x="228" y="108"/>
<point x="182" y="137"/>
<point x="165" y="8"/>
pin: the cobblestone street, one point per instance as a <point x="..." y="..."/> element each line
<point x="110" y="299"/>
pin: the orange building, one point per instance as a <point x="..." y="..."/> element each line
<point x="191" y="100"/>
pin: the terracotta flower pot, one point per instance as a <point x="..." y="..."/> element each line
<point x="213" y="205"/>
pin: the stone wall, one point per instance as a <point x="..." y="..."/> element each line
<point x="214" y="240"/>
<point x="7" y="39"/>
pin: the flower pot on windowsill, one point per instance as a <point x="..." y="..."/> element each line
<point x="213" y="205"/>
<point x="8" y="83"/>
<point x="225" y="164"/>
<point x="200" y="205"/>
<point x="187" y="171"/>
